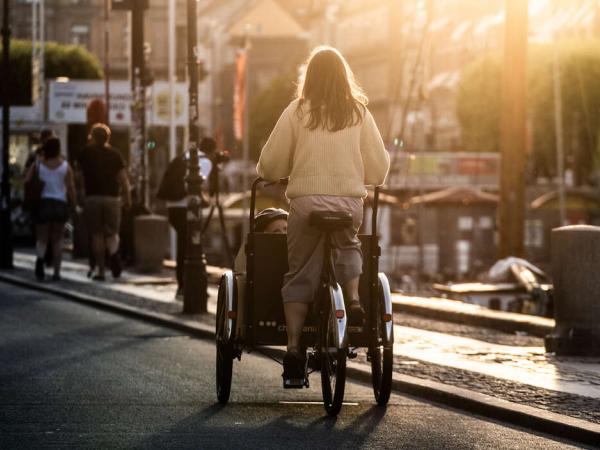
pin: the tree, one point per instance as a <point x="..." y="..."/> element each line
<point x="266" y="109"/>
<point x="479" y="104"/>
<point x="60" y="61"/>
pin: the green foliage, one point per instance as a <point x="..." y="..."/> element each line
<point x="479" y="106"/>
<point x="266" y="109"/>
<point x="60" y="61"/>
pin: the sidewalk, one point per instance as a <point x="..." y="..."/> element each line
<point x="506" y="366"/>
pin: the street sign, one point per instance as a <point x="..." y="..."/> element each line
<point x="439" y="170"/>
<point x="67" y="102"/>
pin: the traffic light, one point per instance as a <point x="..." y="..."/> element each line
<point x="152" y="139"/>
<point x="398" y="143"/>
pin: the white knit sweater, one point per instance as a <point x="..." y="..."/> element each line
<point x="321" y="162"/>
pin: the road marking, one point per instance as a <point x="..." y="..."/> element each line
<point x="284" y="402"/>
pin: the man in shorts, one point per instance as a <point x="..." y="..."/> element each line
<point x="106" y="183"/>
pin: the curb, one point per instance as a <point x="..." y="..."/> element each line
<point x="188" y="326"/>
<point x="526" y="416"/>
<point x="470" y="314"/>
<point x="463" y="399"/>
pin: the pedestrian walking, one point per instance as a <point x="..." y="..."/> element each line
<point x="173" y="190"/>
<point x="37" y="155"/>
<point x="327" y="143"/>
<point x="105" y="184"/>
<point x="52" y="212"/>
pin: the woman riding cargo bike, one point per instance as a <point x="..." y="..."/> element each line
<point x="327" y="145"/>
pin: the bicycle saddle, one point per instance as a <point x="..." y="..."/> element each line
<point x="330" y="220"/>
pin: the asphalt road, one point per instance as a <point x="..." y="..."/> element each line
<point x="75" y="377"/>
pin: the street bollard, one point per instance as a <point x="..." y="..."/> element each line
<point x="575" y="259"/>
<point x="151" y="241"/>
<point x="195" y="282"/>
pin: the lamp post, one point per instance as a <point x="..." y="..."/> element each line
<point x="139" y="80"/>
<point x="106" y="59"/>
<point x="511" y="210"/>
<point x="195" y="281"/>
<point x="6" y="248"/>
<point x="138" y="88"/>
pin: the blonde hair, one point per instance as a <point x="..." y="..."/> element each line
<point x="327" y="86"/>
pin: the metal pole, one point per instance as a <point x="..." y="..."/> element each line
<point x="246" y="138"/>
<point x="106" y="60"/>
<point x="172" y="104"/>
<point x="558" y="130"/>
<point x="42" y="75"/>
<point x="511" y="211"/>
<point x="195" y="294"/>
<point x="139" y="99"/>
<point x="34" y="51"/>
<point x="171" y="69"/>
<point x="6" y="249"/>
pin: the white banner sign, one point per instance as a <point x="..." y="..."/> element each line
<point x="67" y="102"/>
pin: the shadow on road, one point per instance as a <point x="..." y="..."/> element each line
<point x="249" y="426"/>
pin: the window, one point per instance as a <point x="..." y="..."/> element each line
<point x="463" y="252"/>
<point x="80" y="35"/>
<point x="486" y="223"/>
<point x="465" y="223"/>
<point x="534" y="233"/>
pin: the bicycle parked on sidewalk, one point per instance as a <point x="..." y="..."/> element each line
<point x="329" y="338"/>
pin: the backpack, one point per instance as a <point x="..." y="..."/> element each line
<point x="33" y="190"/>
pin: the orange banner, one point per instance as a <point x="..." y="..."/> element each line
<point x="239" y="95"/>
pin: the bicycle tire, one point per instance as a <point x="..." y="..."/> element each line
<point x="224" y="347"/>
<point x="381" y="356"/>
<point x="333" y="361"/>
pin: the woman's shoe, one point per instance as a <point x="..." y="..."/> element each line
<point x="39" y="269"/>
<point x="56" y="277"/>
<point x="116" y="266"/>
<point x="99" y="278"/>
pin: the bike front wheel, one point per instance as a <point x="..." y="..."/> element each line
<point x="333" y="352"/>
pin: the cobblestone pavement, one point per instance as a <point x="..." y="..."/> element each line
<point x="572" y="405"/>
<point x="483" y="360"/>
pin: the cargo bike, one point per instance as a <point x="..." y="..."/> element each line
<point x="255" y="320"/>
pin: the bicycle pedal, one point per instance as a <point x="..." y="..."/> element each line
<point x="352" y="354"/>
<point x="295" y="383"/>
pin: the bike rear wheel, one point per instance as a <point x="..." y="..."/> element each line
<point x="381" y="353"/>
<point x="333" y="355"/>
<point x="224" y="360"/>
